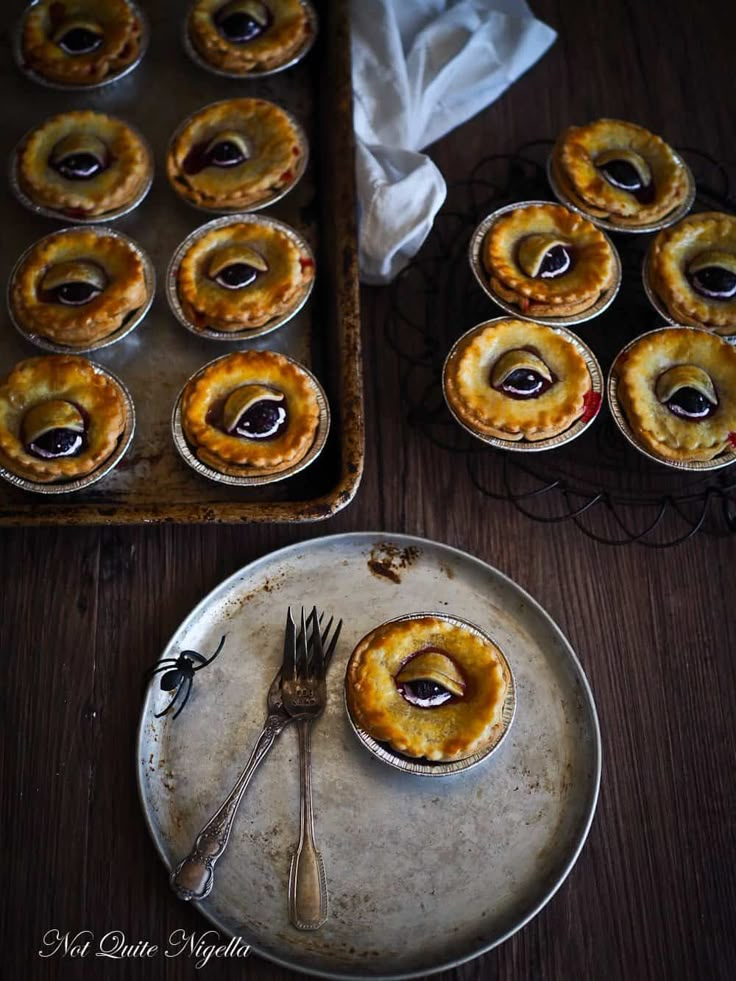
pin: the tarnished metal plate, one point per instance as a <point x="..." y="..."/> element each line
<point x="422" y="874"/>
<point x="152" y="482"/>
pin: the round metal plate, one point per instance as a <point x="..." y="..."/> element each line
<point x="137" y="316"/>
<point x="476" y="264"/>
<point x="172" y="279"/>
<point x="724" y="459"/>
<point x="69" y="486"/>
<point x="253" y="479"/>
<point x="62" y="215"/>
<point x="525" y="445"/>
<point x="295" y="59"/>
<point x="66" y="87"/>
<point x="495" y="842"/>
<point x="652" y="226"/>
<point x="427" y="768"/>
<point x="266" y="202"/>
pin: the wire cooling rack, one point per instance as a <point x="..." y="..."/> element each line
<point x="598" y="482"/>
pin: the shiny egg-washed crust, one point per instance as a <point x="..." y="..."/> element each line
<point x="662" y="433"/>
<point x="209" y="388"/>
<point x="72" y="379"/>
<point x="573" y="163"/>
<point x="122" y="33"/>
<point x="125" y="292"/>
<point x="275" y="47"/>
<point x="672" y="251"/>
<point x="275" y="150"/>
<point x="493" y="413"/>
<point x="452" y="731"/>
<point x="592" y="271"/>
<point x="274" y="293"/>
<point x="115" y="187"/>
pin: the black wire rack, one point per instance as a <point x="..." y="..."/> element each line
<point x="598" y="482"/>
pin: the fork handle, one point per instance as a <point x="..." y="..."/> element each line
<point x="307" y="880"/>
<point x="194" y="876"/>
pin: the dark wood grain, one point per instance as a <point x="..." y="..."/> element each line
<point x="84" y="611"/>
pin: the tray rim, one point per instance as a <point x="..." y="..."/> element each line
<point x="341" y="280"/>
<point x="376" y="537"/>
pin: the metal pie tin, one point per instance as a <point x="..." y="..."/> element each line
<point x="479" y="271"/>
<point x="247" y="333"/>
<point x="299" y="169"/>
<point x="134" y="319"/>
<point x="424" y="767"/>
<point x="300" y="53"/>
<point x="17" y="38"/>
<point x="653" y="226"/>
<point x="255" y="479"/>
<point x="724" y="459"/>
<point x="525" y="445"/>
<point x="69" y="486"/>
<point x="59" y="213"/>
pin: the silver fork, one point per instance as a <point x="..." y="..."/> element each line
<point x="305" y="694"/>
<point x="194" y="877"/>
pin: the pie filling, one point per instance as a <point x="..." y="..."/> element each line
<point x="430" y="678"/>
<point x="53" y="429"/>
<point x="255" y="412"/>
<point x="521" y="374"/>
<point x="688" y="392"/>
<point x="243" y="20"/>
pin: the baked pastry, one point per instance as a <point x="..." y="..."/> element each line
<point x="548" y="261"/>
<point x="234" y="154"/>
<point x="250" y="412"/>
<point x="78" y="286"/>
<point x="61" y="417"/>
<point x="692" y="268"/>
<point x="248" y="36"/>
<point x="84" y="164"/>
<point x="242" y="275"/>
<point x="677" y="388"/>
<point x="428" y="687"/>
<point x="619" y="172"/>
<point x="514" y="380"/>
<point x="80" y="42"/>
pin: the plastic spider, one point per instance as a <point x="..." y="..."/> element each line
<point x="179" y="674"/>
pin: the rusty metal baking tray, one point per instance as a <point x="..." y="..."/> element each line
<point x="152" y="483"/>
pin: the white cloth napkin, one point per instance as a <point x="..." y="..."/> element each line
<point x="420" y="68"/>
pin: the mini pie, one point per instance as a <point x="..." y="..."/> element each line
<point x="692" y="269"/>
<point x="548" y="261"/>
<point x="61" y="417"/>
<point x="516" y="380"/>
<point x="677" y="389"/>
<point x="619" y="172"/>
<point x="78" y="286"/>
<point x="83" y="164"/>
<point x="234" y="154"/>
<point x="80" y="42"/>
<point x="428" y="687"/>
<point x="241" y="276"/>
<point x="243" y="36"/>
<point x="250" y="412"/>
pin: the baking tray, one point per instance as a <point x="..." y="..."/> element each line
<point x="152" y="483"/>
<point x="422" y="874"/>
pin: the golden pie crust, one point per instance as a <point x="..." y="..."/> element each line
<point x="274" y="149"/>
<point x="69" y="378"/>
<point x="117" y="186"/>
<point x="575" y="172"/>
<point x="592" y="269"/>
<point x="38" y="312"/>
<point x="289" y="29"/>
<point x="207" y="304"/>
<point x="201" y="409"/>
<point x="452" y="731"/>
<point x="489" y="411"/>
<point x="671" y="254"/>
<point x="654" y="425"/>
<point x="121" y="31"/>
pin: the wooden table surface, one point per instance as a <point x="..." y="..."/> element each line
<point x="84" y="611"/>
